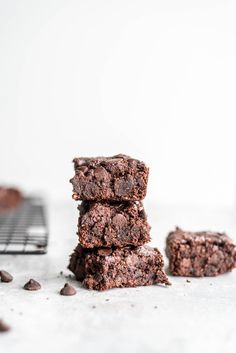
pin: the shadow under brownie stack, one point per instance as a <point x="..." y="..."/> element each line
<point x="112" y="226"/>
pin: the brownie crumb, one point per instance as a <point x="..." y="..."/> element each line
<point x="5" y="276"/>
<point x="155" y="307"/>
<point x="68" y="290"/>
<point x="32" y="285"/>
<point x="188" y="281"/>
<point x="94" y="307"/>
<point x="107" y="300"/>
<point x="4" y="327"/>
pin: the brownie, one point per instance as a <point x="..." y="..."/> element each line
<point x="10" y="198"/>
<point x="117" y="178"/>
<point x="107" y="224"/>
<point x="200" y="254"/>
<point x="106" y="268"/>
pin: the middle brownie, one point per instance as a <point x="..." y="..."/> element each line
<point x="107" y="224"/>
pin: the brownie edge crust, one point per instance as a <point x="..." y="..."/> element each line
<point x="106" y="268"/>
<point x="198" y="254"/>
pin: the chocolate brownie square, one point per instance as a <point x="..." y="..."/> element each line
<point x="200" y="254"/>
<point x="107" y="224"/>
<point x="106" y="268"/>
<point x="117" y="178"/>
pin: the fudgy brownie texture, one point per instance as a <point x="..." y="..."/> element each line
<point x="118" y="178"/>
<point x="106" y="268"/>
<point x="200" y="254"/>
<point x="107" y="224"/>
<point x="10" y="198"/>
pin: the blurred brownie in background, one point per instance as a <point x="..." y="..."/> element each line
<point x="117" y="178"/>
<point x="107" y="224"/>
<point x="10" y="198"/>
<point x="199" y="254"/>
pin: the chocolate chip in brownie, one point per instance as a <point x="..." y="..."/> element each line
<point x="5" y="276"/>
<point x="119" y="220"/>
<point x="104" y="251"/>
<point x="32" y="285"/>
<point x="101" y="174"/>
<point x="123" y="186"/>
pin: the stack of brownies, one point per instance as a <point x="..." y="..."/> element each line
<point x="112" y="226"/>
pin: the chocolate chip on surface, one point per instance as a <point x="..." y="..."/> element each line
<point x="5" y="276"/>
<point x="68" y="290"/>
<point x="4" y="327"/>
<point x="32" y="285"/>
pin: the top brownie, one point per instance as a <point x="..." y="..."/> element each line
<point x="117" y="178"/>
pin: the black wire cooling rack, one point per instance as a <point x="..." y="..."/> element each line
<point x="24" y="230"/>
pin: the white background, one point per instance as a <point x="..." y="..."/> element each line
<point x="153" y="79"/>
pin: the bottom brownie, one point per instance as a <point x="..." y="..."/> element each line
<point x="200" y="254"/>
<point x="106" y="268"/>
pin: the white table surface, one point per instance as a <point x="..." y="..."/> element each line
<point x="186" y="317"/>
